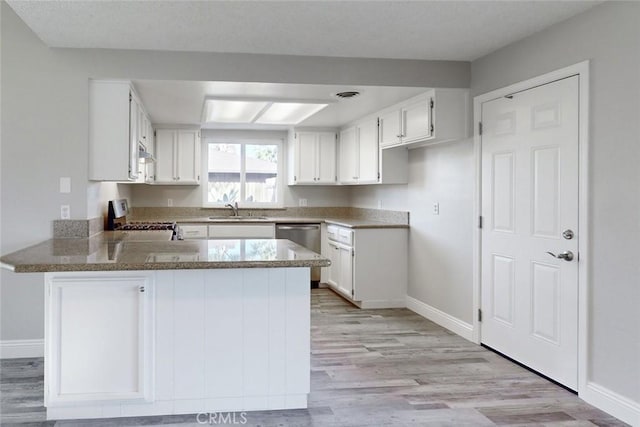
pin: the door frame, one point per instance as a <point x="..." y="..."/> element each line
<point x="580" y="69"/>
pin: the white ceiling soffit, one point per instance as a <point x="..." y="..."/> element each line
<point x="181" y="102"/>
<point x="437" y="30"/>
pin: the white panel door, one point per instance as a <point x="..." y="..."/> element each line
<point x="133" y="138"/>
<point x="368" y="151"/>
<point x="529" y="200"/>
<point x="307" y="157"/>
<point x="416" y="121"/>
<point x="188" y="157"/>
<point x="326" y="158"/>
<point x="164" y="153"/>
<point x="99" y="343"/>
<point x="345" y="282"/>
<point x="390" y="129"/>
<point x="349" y="155"/>
<point x="334" y="269"/>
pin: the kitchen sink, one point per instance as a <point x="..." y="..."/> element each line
<point x="236" y="218"/>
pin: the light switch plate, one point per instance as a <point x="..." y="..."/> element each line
<point x="169" y="202"/>
<point x="302" y="202"/>
<point x="65" y="184"/>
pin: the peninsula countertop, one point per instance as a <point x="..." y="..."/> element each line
<point x="115" y="251"/>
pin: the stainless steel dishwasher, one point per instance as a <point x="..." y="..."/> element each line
<point x="307" y="235"/>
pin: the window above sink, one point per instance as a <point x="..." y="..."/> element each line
<point x="244" y="172"/>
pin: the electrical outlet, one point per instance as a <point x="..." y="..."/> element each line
<point x="65" y="212"/>
<point x="379" y="204"/>
<point x="436" y="208"/>
<point x="302" y="202"/>
<point x="169" y="202"/>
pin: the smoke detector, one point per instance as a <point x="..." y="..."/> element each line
<point x="347" y="94"/>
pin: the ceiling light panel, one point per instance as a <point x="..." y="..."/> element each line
<point x="288" y="113"/>
<point x="226" y="111"/>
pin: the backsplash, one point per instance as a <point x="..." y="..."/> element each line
<point x="77" y="228"/>
<point x="176" y="213"/>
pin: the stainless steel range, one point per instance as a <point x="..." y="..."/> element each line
<point x="117" y="220"/>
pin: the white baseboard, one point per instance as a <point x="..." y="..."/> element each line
<point x="443" y="319"/>
<point x="612" y="403"/>
<point x="15" y="349"/>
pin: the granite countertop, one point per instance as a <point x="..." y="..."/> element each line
<point x="117" y="250"/>
<point x="344" y="222"/>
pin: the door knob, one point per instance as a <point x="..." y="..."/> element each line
<point x="566" y="255"/>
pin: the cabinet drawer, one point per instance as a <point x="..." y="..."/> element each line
<point x="332" y="232"/>
<point x="194" y="231"/>
<point x="345" y="236"/>
<point x="242" y="231"/>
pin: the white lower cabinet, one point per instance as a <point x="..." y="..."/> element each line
<point x="144" y="343"/>
<point x="345" y="276"/>
<point x="99" y="338"/>
<point x="333" y="277"/>
<point x="194" y="231"/>
<point x="242" y="231"/>
<point x="228" y="231"/>
<point x="356" y="270"/>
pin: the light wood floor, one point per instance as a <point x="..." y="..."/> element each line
<point x="369" y="368"/>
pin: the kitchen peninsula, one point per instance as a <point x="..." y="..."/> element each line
<point x="138" y="326"/>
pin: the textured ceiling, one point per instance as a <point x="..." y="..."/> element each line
<point x="439" y="30"/>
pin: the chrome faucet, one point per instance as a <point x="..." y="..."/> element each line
<point x="233" y="207"/>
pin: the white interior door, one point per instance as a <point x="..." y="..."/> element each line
<point x="529" y="201"/>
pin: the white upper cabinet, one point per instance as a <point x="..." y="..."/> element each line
<point x="368" y="150"/>
<point x="359" y="153"/>
<point x="113" y="131"/>
<point x="164" y="147"/>
<point x="416" y="120"/>
<point x="313" y="158"/>
<point x="143" y="131"/>
<point x="390" y="132"/>
<point x="177" y="153"/>
<point x="439" y="115"/>
<point x="327" y="158"/>
<point x="188" y="157"/>
<point x="150" y="167"/>
<point x="349" y="155"/>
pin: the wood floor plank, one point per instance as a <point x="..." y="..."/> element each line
<point x="369" y="368"/>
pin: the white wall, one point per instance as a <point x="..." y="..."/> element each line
<point x="609" y="36"/>
<point x="45" y="127"/>
<point x="440" y="246"/>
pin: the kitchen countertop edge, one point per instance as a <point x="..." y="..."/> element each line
<point x="343" y="222"/>
<point x="202" y="265"/>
